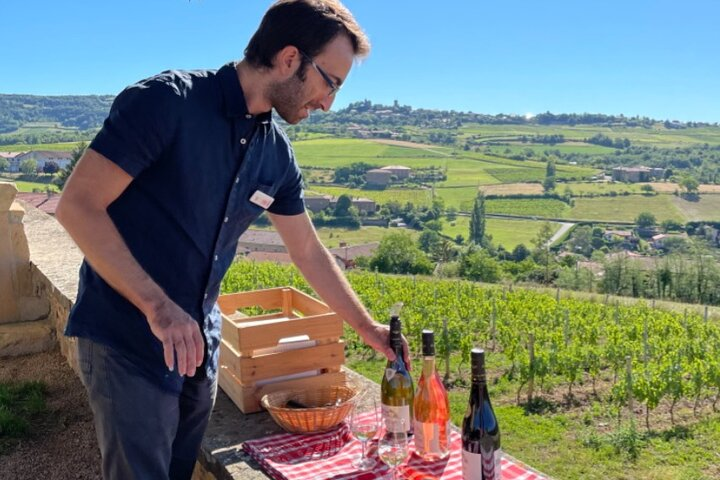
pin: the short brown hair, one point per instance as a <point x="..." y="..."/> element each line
<point x="308" y="25"/>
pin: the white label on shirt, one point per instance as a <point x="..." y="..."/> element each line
<point x="262" y="199"/>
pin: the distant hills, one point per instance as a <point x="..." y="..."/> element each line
<point x="31" y="119"/>
<point x="81" y="112"/>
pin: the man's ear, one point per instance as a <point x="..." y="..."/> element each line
<point x="287" y="60"/>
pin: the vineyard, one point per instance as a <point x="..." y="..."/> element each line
<point x="652" y="354"/>
<point x="637" y="356"/>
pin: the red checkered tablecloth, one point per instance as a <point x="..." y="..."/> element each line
<point x="330" y="455"/>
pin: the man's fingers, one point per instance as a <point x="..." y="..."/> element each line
<point x="199" y="347"/>
<point x="181" y="354"/>
<point x="190" y="362"/>
<point x="168" y="351"/>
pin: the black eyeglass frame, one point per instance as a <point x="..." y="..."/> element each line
<point x="334" y="88"/>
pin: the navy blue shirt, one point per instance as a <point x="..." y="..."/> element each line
<point x="196" y="157"/>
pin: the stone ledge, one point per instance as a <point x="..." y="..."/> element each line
<point x="24" y="338"/>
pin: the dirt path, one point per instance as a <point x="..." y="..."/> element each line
<point x="62" y="445"/>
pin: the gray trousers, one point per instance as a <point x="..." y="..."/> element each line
<point x="144" y="432"/>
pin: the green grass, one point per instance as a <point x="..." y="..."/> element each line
<point x="533" y="207"/>
<point x="22" y="147"/>
<point x="706" y="207"/>
<point x="32" y="183"/>
<point x="331" y="237"/>
<point x="415" y="196"/>
<point x="508" y="233"/>
<point x="20" y="403"/>
<point x="625" y="208"/>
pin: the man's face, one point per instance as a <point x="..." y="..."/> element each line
<point x="307" y="90"/>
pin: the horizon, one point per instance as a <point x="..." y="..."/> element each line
<point x="649" y="59"/>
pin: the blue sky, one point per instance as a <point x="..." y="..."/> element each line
<point x="637" y="57"/>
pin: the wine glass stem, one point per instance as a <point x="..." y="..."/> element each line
<point x="395" y="472"/>
<point x="363" y="448"/>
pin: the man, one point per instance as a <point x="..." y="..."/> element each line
<point x="185" y="161"/>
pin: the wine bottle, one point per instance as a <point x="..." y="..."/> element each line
<point x="481" y="454"/>
<point x="431" y="408"/>
<point x="397" y="389"/>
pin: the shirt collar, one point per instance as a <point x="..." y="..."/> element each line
<point x="235" y="105"/>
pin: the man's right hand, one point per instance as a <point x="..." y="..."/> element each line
<point x="180" y="336"/>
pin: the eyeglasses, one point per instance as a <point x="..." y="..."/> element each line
<point x="334" y="87"/>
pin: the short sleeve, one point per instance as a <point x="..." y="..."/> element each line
<point x="141" y="124"/>
<point x="289" y="197"/>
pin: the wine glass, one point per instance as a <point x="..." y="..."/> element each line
<point x="393" y="448"/>
<point x="364" y="424"/>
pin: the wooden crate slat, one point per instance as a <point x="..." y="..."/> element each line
<point x="308" y="305"/>
<point x="247" y="398"/>
<point x="250" y="370"/>
<point x="268" y="333"/>
<point x="268" y="299"/>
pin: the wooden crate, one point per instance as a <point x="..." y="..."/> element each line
<point x="256" y="356"/>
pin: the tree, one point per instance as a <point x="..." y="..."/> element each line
<point x="434" y="225"/>
<point x="64" y="174"/>
<point x="520" y="252"/>
<point x="428" y="240"/>
<point x="344" y="202"/>
<point x="477" y="220"/>
<point x="581" y="241"/>
<point x="28" y="167"/>
<point x="690" y="185"/>
<point x="50" y="167"/>
<point x="647" y="188"/>
<point x="549" y="184"/>
<point x="398" y="254"/>
<point x="4" y="164"/>
<point x="645" y="220"/>
<point x="550" y="169"/>
<point x="542" y="247"/>
<point x="479" y="265"/>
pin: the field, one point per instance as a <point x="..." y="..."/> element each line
<point x="38" y="182"/>
<point x="707" y="207"/>
<point x="508" y="233"/>
<point x="625" y="209"/>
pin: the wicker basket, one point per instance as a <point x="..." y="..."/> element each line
<point x="319" y="416"/>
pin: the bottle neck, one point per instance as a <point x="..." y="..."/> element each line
<point x="428" y="366"/>
<point x="478" y="389"/>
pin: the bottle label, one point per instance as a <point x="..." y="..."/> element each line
<point x="397" y="419"/>
<point x="429" y="437"/>
<point x="482" y="466"/>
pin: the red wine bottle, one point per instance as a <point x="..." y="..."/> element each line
<point x="432" y="407"/>
<point x="481" y="454"/>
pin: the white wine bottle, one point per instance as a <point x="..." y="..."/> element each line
<point x="481" y="453"/>
<point x="397" y="390"/>
<point x="432" y="407"/>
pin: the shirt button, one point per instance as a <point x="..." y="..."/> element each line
<point x="248" y="116"/>
<point x="243" y="141"/>
<point x="237" y="179"/>
<point x="216" y="258"/>
<point x="226" y="220"/>
<point x="205" y="296"/>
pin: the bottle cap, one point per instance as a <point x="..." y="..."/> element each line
<point x="477" y="360"/>
<point x="428" y="343"/>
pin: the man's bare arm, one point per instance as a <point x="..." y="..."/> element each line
<point x="325" y="277"/>
<point x="94" y="184"/>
